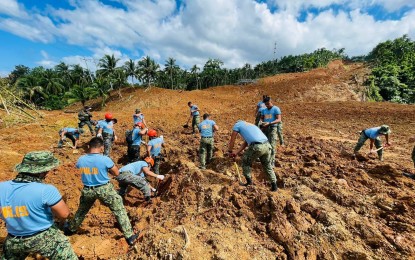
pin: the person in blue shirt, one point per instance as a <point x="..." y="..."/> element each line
<point x="94" y="168"/>
<point x="28" y="207"/>
<point x="154" y="149"/>
<point x="106" y="131"/>
<point x="133" y="150"/>
<point x="272" y="125"/>
<point x="195" y="115"/>
<point x="138" y="117"/>
<point x="134" y="174"/>
<point x="373" y="134"/>
<point x="71" y="133"/>
<point x="206" y="128"/>
<point x="258" y="147"/>
<point x="258" y="108"/>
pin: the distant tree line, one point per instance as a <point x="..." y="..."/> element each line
<point x="392" y="77"/>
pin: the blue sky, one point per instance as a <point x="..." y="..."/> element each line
<point x="35" y="33"/>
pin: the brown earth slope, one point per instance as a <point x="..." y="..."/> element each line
<point x="328" y="205"/>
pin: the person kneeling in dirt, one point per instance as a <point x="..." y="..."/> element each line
<point x="84" y="117"/>
<point x="373" y="134"/>
<point x="94" y="169"/>
<point x="206" y="129"/>
<point x="72" y="133"/>
<point x="134" y="174"/>
<point x="154" y="149"/>
<point x="28" y="207"/>
<point x="134" y="141"/>
<point x="107" y="133"/>
<point x="258" y="147"/>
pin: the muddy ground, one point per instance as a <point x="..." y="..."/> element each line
<point x="328" y="205"/>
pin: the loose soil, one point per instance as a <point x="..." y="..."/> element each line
<point x="328" y="205"/>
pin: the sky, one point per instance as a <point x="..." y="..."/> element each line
<point x="46" y="32"/>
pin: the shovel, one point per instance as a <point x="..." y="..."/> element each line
<point x="237" y="171"/>
<point x="187" y="124"/>
<point x="374" y="151"/>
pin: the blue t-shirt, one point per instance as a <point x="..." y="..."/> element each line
<point x="373" y="132"/>
<point x="136" y="137"/>
<point x="138" y="118"/>
<point x="206" y="128"/>
<point x="155" y="146"/>
<point x="72" y="130"/>
<point x="250" y="132"/>
<point x="107" y="127"/>
<point x="25" y="206"/>
<point x="195" y="113"/>
<point x="136" y="168"/>
<point x="94" y="169"/>
<point x="270" y="114"/>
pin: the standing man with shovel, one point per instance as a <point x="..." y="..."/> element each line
<point x="195" y="115"/>
<point x="373" y="134"/>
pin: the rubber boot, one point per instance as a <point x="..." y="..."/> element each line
<point x="132" y="239"/>
<point x="274" y="186"/>
<point x="248" y="182"/>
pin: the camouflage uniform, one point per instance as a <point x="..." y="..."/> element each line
<point x="128" y="178"/>
<point x="263" y="152"/>
<point x="206" y="146"/>
<point x="195" y="122"/>
<point x="107" y="195"/>
<point x="108" y="139"/>
<point x="157" y="162"/>
<point x="279" y="132"/>
<point x="362" y="139"/>
<point x="258" y="118"/>
<point x="50" y="243"/>
<point x="85" y="119"/>
<point x="271" y="133"/>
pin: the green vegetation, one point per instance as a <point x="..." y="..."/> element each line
<point x="393" y="72"/>
<point x="392" y="77"/>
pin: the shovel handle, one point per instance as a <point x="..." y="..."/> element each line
<point x="237" y="171"/>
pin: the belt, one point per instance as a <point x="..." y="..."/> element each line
<point x="93" y="187"/>
<point x="207" y="136"/>
<point x="259" y="142"/>
<point x="22" y="237"/>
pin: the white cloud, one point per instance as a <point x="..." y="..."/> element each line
<point x="46" y="61"/>
<point x="12" y="8"/>
<point x="235" y="31"/>
<point x="4" y="73"/>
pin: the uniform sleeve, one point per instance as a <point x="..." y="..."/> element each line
<point x="50" y="195"/>
<point x="277" y="111"/>
<point x="77" y="163"/>
<point x="236" y="128"/>
<point x="109" y="163"/>
<point x="213" y="123"/>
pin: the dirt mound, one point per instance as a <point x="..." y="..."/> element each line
<point x="328" y="206"/>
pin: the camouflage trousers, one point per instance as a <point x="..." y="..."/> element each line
<point x="257" y="118"/>
<point x="128" y="178"/>
<point x="157" y="162"/>
<point x="206" y="147"/>
<point x="195" y="123"/>
<point x="413" y="155"/>
<point x="362" y="140"/>
<point x="272" y="133"/>
<point x="133" y="153"/>
<point x="110" y="198"/>
<point x="82" y="123"/>
<point x="263" y="152"/>
<point x="50" y="243"/>
<point x="108" y="139"/>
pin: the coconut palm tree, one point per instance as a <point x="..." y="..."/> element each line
<point x="171" y="69"/>
<point x="107" y="65"/>
<point x="130" y="69"/>
<point x="147" y="69"/>
<point x="81" y="93"/>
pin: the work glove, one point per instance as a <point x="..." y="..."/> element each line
<point x="99" y="135"/>
<point x="160" y="177"/>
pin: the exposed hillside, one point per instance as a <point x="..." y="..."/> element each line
<point x="328" y="206"/>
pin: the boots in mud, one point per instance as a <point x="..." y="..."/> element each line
<point x="274" y="186"/>
<point x="248" y="182"/>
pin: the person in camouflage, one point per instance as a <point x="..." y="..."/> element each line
<point x="84" y="117"/>
<point x="107" y="133"/>
<point x="373" y="134"/>
<point x="94" y="169"/>
<point x="195" y="115"/>
<point x="134" y="174"/>
<point x="27" y="205"/>
<point x="258" y="108"/>
<point x="206" y="129"/>
<point x="258" y="147"/>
